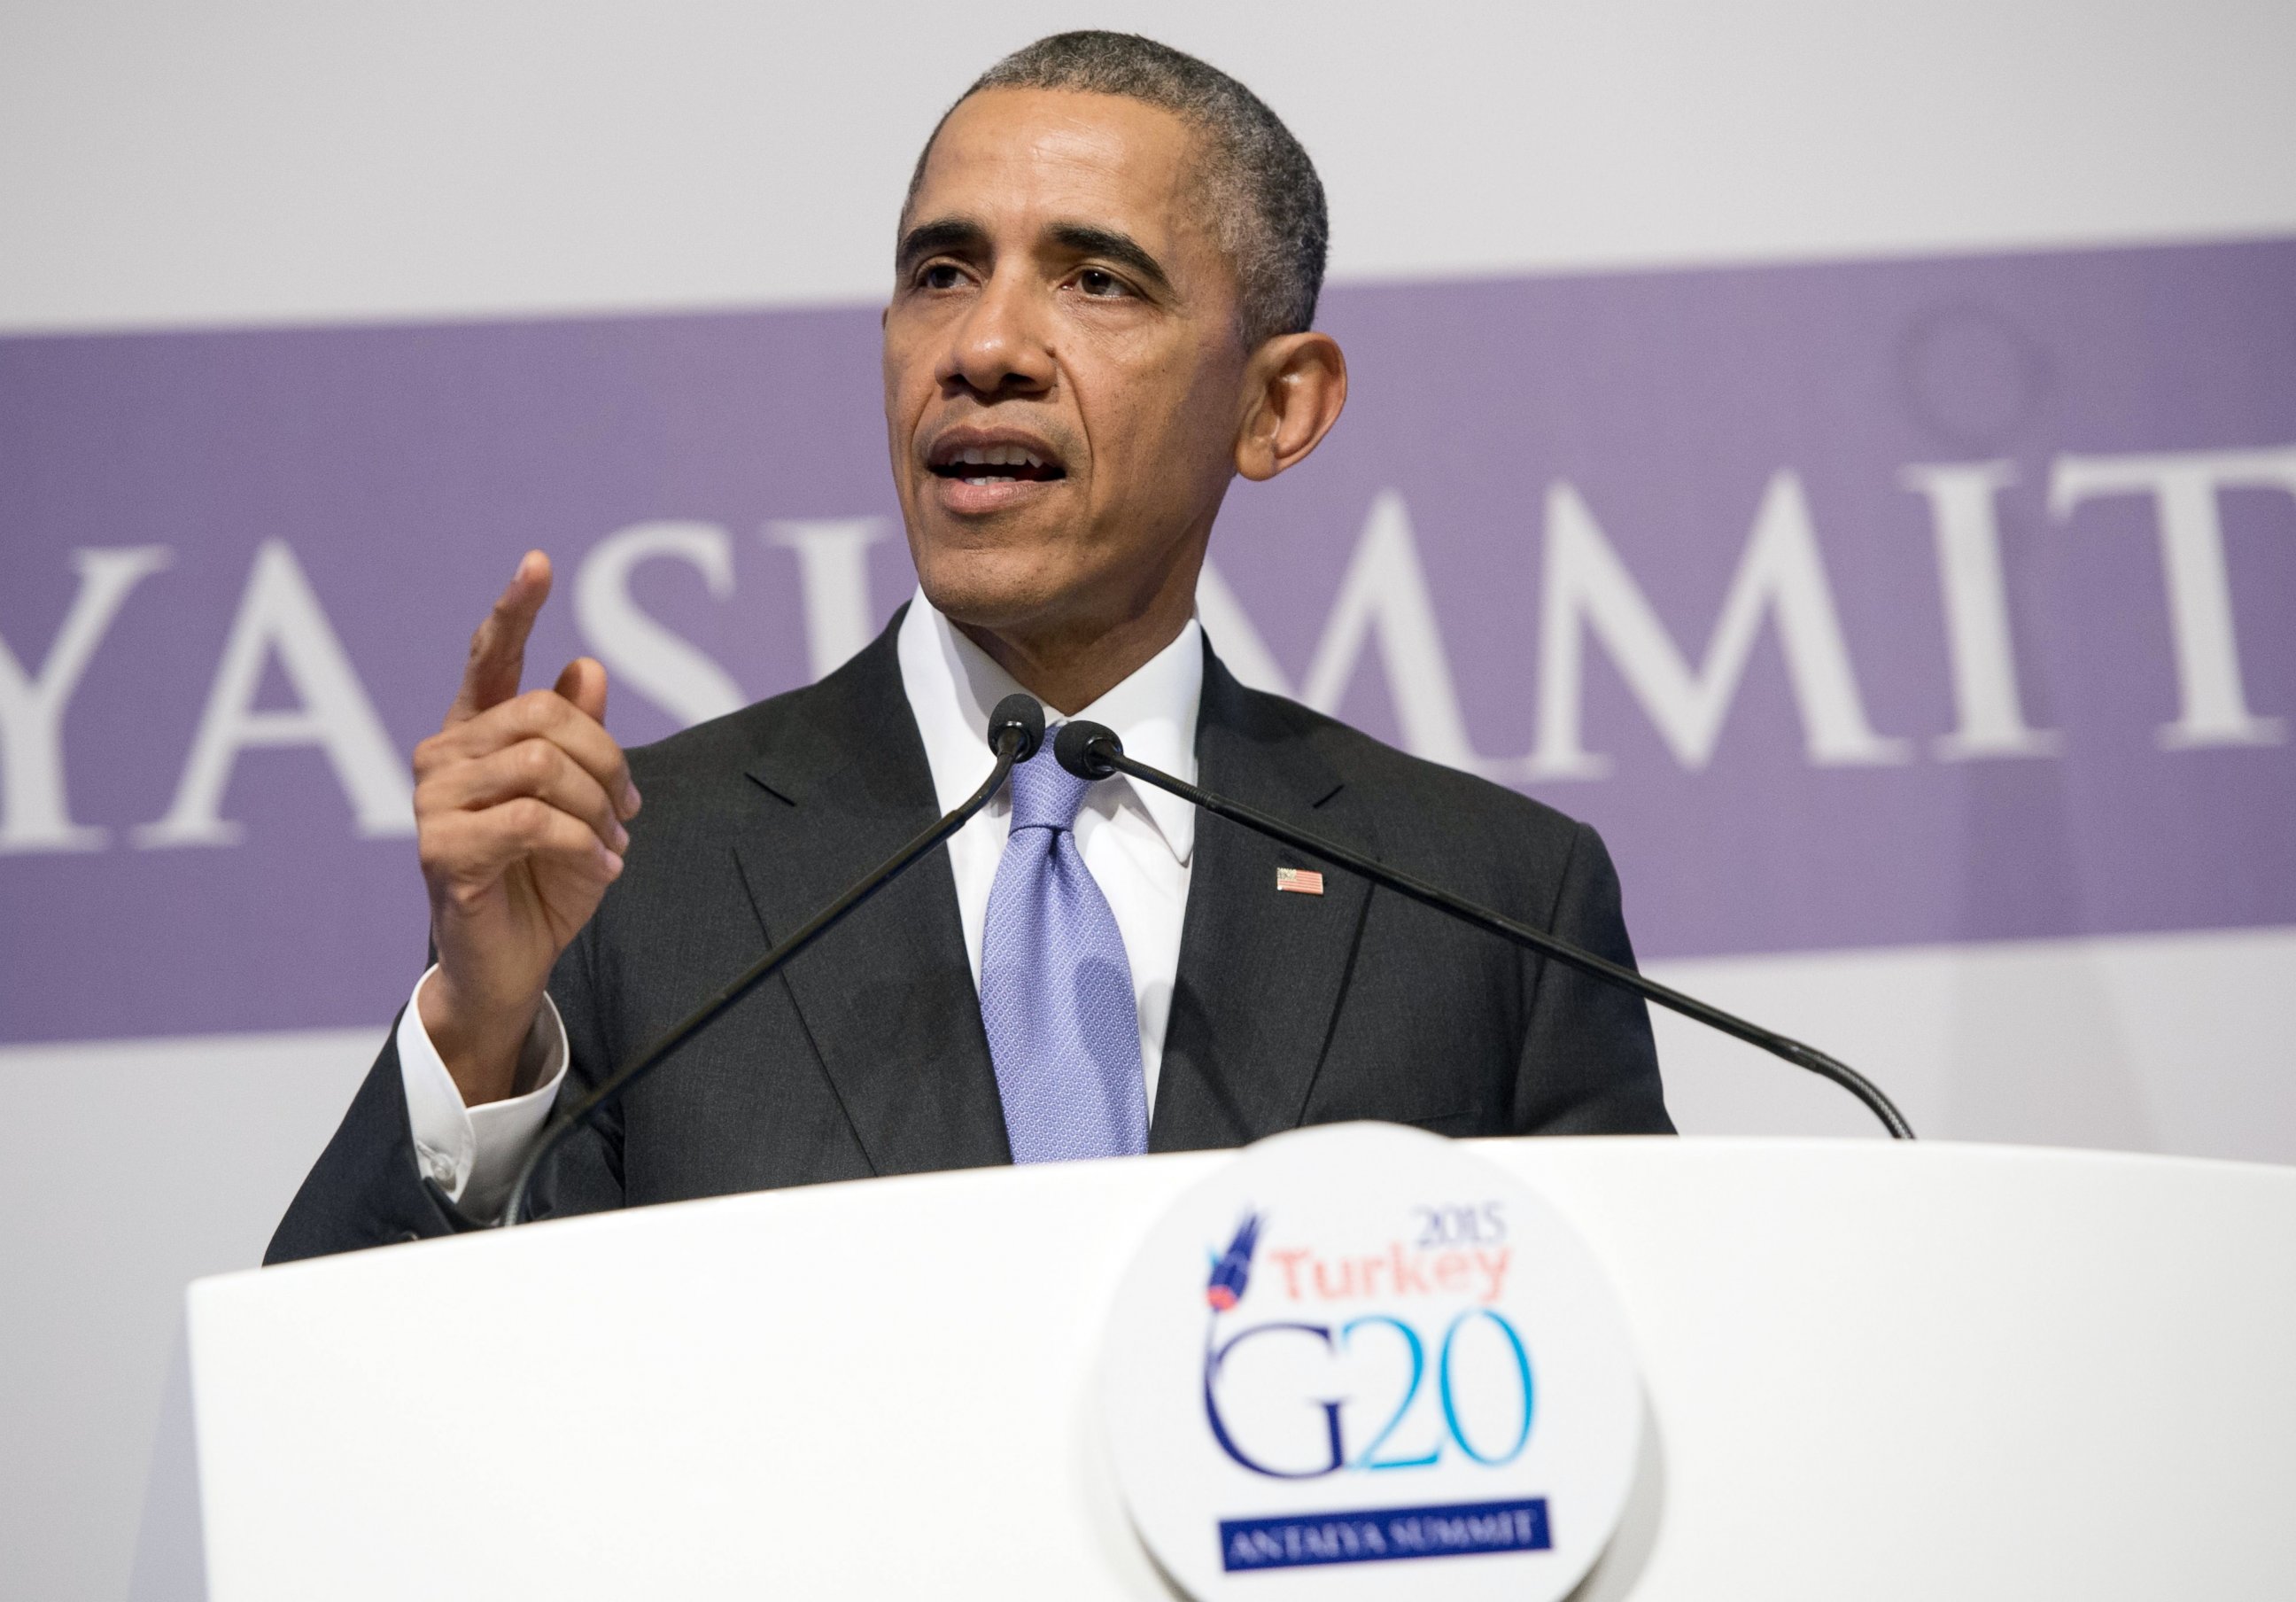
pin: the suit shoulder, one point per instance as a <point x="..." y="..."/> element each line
<point x="730" y="740"/>
<point x="708" y="753"/>
<point x="799" y="734"/>
<point x="1400" y="787"/>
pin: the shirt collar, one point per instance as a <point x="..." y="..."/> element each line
<point x="952" y="686"/>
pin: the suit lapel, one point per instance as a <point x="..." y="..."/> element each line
<point x="886" y="998"/>
<point x="1261" y="971"/>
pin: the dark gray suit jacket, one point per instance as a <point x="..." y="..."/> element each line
<point x="866" y="1054"/>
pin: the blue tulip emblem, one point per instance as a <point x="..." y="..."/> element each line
<point x="1233" y="1266"/>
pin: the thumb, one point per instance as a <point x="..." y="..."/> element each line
<point x="584" y="683"/>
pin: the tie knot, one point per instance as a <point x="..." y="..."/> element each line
<point x="1046" y="795"/>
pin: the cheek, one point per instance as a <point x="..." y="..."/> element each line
<point x="908" y="366"/>
<point x="895" y="375"/>
<point x="1163" y="433"/>
<point x="1200" y="434"/>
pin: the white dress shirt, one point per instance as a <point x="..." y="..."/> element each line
<point x="1138" y="842"/>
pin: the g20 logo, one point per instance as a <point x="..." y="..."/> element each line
<point x="1483" y="1444"/>
<point x="1498" y="1447"/>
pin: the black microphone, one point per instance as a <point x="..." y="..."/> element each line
<point x="1092" y="751"/>
<point x="1015" y="730"/>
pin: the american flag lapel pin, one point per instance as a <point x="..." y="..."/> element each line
<point x="1304" y="881"/>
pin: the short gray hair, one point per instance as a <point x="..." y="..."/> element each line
<point x="1268" y="203"/>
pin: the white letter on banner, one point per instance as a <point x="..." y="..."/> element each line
<point x="1231" y="632"/>
<point x="1962" y="514"/>
<point x="1586" y="585"/>
<point x="658" y="665"/>
<point x="279" y="614"/>
<point x="2184" y="486"/>
<point x="833" y="570"/>
<point x="38" y="816"/>
<point x="1385" y="588"/>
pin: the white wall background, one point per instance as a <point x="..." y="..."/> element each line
<point x="205" y="164"/>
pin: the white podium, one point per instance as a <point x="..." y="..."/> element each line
<point x="1873" y="1372"/>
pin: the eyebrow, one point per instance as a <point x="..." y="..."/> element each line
<point x="963" y="236"/>
<point x="951" y="235"/>
<point x="1121" y="249"/>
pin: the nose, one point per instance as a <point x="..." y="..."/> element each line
<point x="997" y="347"/>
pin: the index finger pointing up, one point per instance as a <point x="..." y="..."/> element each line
<point x="498" y="649"/>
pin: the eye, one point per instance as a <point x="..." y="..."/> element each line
<point x="939" y="275"/>
<point x="1102" y="285"/>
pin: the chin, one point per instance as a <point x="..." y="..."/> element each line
<point x="992" y="588"/>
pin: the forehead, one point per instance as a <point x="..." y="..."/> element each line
<point x="1019" y="156"/>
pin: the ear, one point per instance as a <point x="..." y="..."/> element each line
<point x="1293" y="388"/>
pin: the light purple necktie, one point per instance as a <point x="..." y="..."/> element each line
<point x="1055" y="986"/>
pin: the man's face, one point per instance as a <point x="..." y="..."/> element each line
<point x="1063" y="377"/>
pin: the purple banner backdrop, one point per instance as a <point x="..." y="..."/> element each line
<point x="1858" y="604"/>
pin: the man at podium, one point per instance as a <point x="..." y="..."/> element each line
<point x="1103" y="311"/>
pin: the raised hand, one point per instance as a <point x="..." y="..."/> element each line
<point x="519" y="801"/>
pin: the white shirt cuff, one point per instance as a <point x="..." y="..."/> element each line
<point x="473" y="1154"/>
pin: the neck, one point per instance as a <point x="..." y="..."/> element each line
<point x="1068" y="669"/>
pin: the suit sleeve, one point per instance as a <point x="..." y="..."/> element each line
<point x="367" y="1190"/>
<point x="1589" y="1065"/>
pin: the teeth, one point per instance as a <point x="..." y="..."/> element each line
<point x="1000" y="455"/>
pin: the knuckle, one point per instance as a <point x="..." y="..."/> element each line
<point x="530" y="714"/>
<point x="438" y="849"/>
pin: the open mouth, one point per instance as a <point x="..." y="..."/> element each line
<point x="996" y="465"/>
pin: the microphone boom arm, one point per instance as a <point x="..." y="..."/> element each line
<point x="1102" y="753"/>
